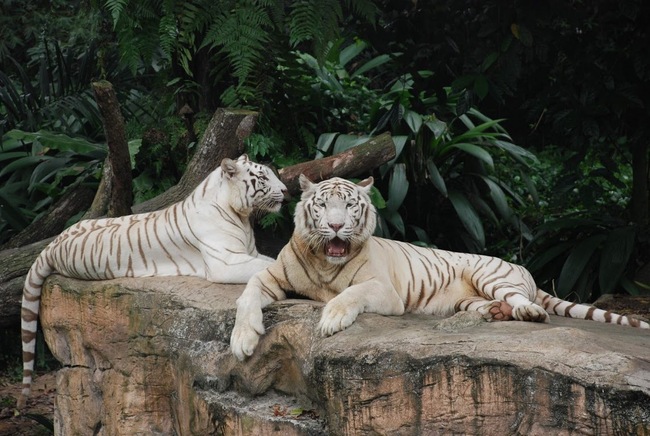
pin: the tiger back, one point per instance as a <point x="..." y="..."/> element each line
<point x="332" y="257"/>
<point x="207" y="235"/>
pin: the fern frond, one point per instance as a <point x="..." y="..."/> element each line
<point x="116" y="7"/>
<point x="316" y="21"/>
<point x="168" y="33"/>
<point x="241" y="34"/>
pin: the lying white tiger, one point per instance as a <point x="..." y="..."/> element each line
<point x="207" y="235"/>
<point x="333" y="258"/>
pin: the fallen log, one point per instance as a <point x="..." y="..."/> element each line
<point x="350" y="163"/>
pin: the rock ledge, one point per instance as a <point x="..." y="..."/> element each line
<point x="150" y="356"/>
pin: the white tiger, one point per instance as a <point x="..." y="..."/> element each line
<point x="207" y="235"/>
<point x="333" y="257"/>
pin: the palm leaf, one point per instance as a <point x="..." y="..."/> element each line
<point x="576" y="262"/>
<point x="468" y="216"/>
<point x="615" y="257"/>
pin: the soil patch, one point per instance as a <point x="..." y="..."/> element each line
<point x="39" y="410"/>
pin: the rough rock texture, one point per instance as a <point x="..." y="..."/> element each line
<point x="150" y="356"/>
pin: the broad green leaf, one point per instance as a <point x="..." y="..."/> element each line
<point x="489" y="60"/>
<point x="325" y="141"/>
<point x="10" y="212"/>
<point x="577" y="261"/>
<point x="414" y="120"/>
<point x="477" y="131"/>
<point x="516" y="151"/>
<point x="372" y="63"/>
<point x="615" y="257"/>
<point x="437" y="127"/>
<point x="475" y="151"/>
<point x="499" y="198"/>
<point x="436" y="178"/>
<point x="345" y="142"/>
<point x="545" y="257"/>
<point x="481" y="87"/>
<point x="463" y="82"/>
<point x="57" y="141"/>
<point x="468" y="216"/>
<point x="376" y="198"/>
<point x="45" y="170"/>
<point x="399" y="142"/>
<point x="11" y="155"/>
<point x="397" y="188"/>
<point x="634" y="287"/>
<point x="393" y="217"/>
<point x="351" y="51"/>
<point x="484" y="209"/>
<point x="24" y="162"/>
<point x="421" y="235"/>
<point x="10" y="144"/>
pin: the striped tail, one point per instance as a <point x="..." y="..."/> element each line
<point x="29" y="320"/>
<point x="561" y="307"/>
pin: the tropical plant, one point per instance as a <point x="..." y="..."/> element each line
<point x="53" y="92"/>
<point x="584" y="246"/>
<point x="37" y="169"/>
<point x="227" y="41"/>
<point x="455" y="160"/>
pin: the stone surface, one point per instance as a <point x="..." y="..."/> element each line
<point x="150" y="356"/>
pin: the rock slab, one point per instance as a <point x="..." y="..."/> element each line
<point x="150" y="356"/>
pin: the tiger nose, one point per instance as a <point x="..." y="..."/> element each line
<point x="335" y="227"/>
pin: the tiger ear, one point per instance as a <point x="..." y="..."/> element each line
<point x="305" y="184"/>
<point x="229" y="167"/>
<point x="366" y="183"/>
<point x="243" y="158"/>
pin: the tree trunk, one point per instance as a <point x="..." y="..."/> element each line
<point x="115" y="194"/>
<point x="224" y="137"/>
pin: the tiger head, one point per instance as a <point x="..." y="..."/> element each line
<point x="252" y="186"/>
<point x="335" y="217"/>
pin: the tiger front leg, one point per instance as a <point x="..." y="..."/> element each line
<point x="249" y="325"/>
<point x="372" y="296"/>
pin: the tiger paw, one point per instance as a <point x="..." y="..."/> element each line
<point x="496" y="311"/>
<point x="336" y="317"/>
<point x="246" y="334"/>
<point x="530" y="312"/>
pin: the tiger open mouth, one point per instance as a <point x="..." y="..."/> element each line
<point x="337" y="247"/>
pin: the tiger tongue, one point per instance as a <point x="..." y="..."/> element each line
<point x="336" y="248"/>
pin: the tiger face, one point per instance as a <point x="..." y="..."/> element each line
<point x="253" y="186"/>
<point x="335" y="217"/>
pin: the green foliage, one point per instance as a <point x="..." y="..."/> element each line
<point x="24" y="23"/>
<point x="583" y="248"/>
<point x="241" y="37"/>
<point x="37" y="169"/>
<point x="453" y="158"/>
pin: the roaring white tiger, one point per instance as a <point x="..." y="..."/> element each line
<point x="207" y="235"/>
<point x="333" y="258"/>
